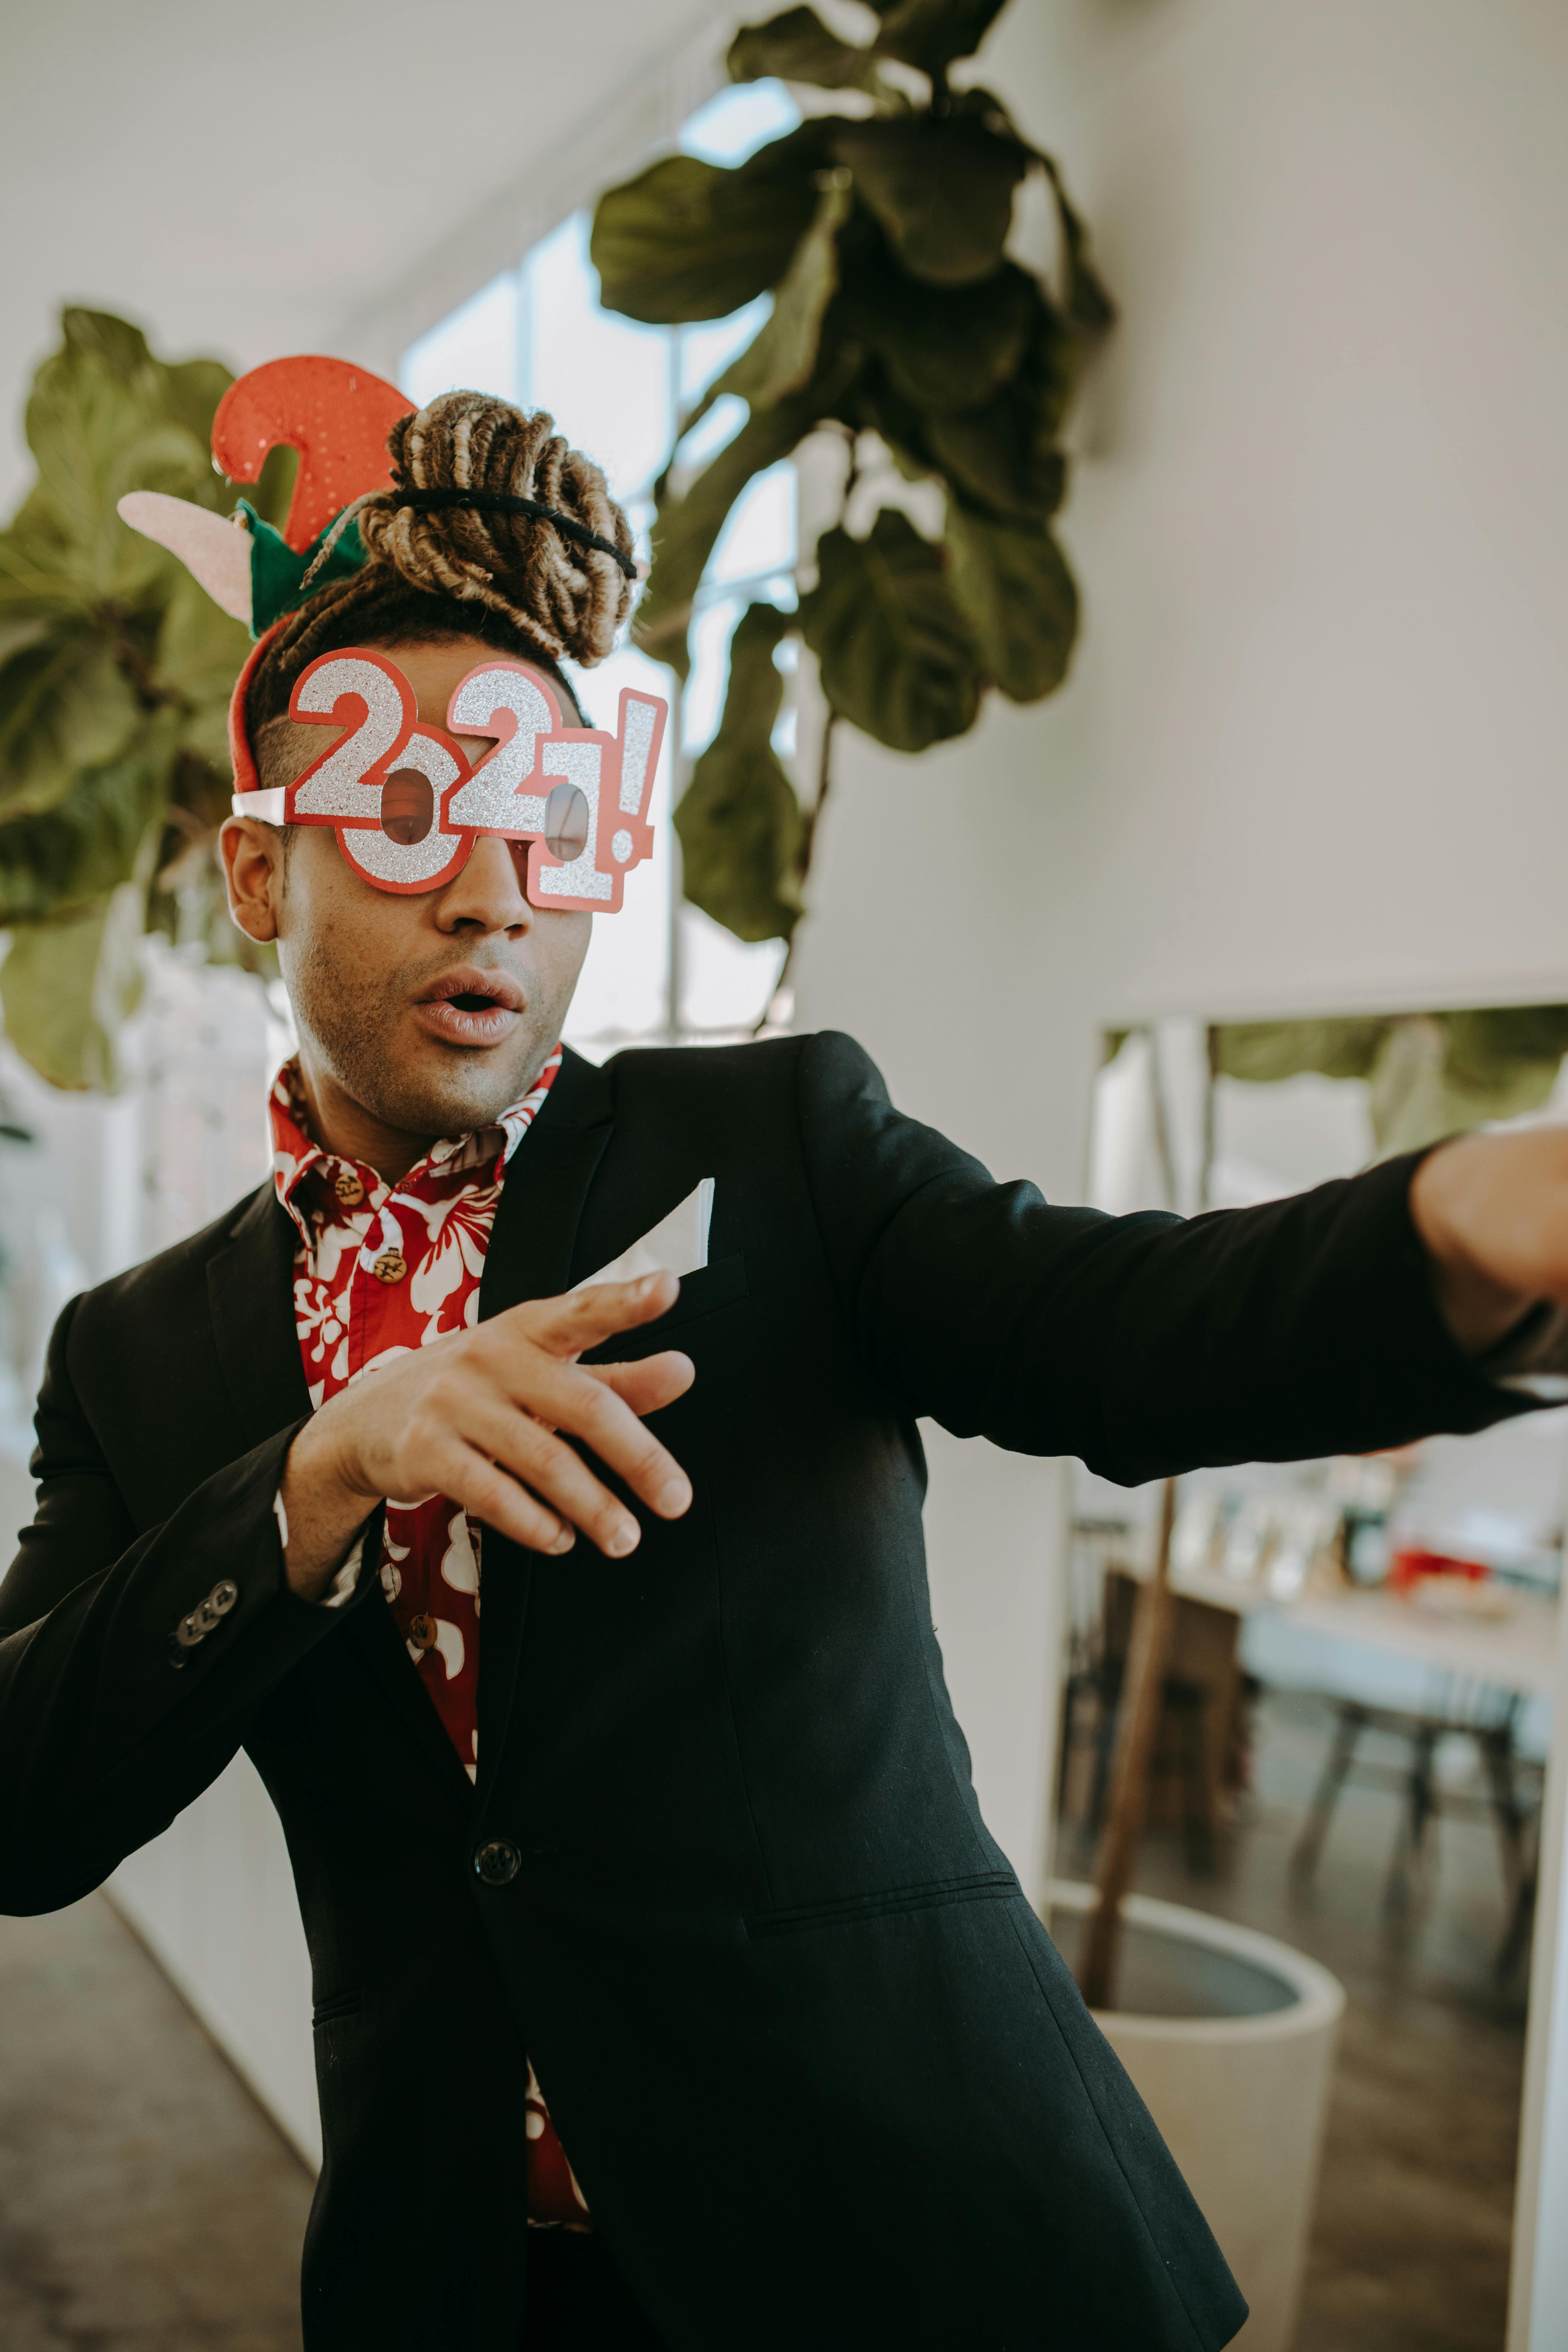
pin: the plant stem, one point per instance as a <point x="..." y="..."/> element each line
<point x="803" y="858"/>
<point x="1137" y="1720"/>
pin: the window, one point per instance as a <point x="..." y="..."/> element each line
<point x="659" y="970"/>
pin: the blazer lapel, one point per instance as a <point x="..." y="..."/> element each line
<point x="529" y="1256"/>
<point x="250" y="1294"/>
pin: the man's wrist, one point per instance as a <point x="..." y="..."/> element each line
<point x="1479" y="1310"/>
<point x="320" y="1514"/>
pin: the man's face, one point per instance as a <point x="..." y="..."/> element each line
<point x="431" y="1012"/>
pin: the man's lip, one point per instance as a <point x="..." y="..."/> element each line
<point x="498" y="987"/>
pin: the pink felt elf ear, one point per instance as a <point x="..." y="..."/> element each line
<point x="215" y="552"/>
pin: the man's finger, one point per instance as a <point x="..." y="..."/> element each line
<point x="567" y="1396"/>
<point x="584" y="1317"/>
<point x="499" y="1501"/>
<point x="518" y="1443"/>
<point x="649" y="1385"/>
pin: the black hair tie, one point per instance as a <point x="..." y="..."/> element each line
<point x="508" y="503"/>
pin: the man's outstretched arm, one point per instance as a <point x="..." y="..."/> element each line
<point x="1335" y="1321"/>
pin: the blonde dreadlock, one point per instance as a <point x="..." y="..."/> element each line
<point x="514" y="580"/>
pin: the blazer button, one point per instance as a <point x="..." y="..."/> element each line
<point x="497" y="1862"/>
<point x="223" y="1596"/>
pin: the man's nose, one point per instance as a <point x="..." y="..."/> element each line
<point x="488" y="892"/>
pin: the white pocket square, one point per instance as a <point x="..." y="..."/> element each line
<point x="677" y="1244"/>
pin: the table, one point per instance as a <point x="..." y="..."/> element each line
<point x="1517" y="1652"/>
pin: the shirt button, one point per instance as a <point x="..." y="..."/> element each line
<point x="348" y="1188"/>
<point x="390" y="1267"/>
<point x="497" y="1862"/>
<point x="422" y="1632"/>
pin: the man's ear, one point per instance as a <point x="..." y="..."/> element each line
<point x="253" y="855"/>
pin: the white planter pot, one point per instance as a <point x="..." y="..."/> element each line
<point x="1228" y="2039"/>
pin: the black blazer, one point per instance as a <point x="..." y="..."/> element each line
<point x="821" y="2073"/>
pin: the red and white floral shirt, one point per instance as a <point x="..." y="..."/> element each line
<point x="380" y="1270"/>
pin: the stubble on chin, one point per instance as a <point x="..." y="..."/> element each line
<point x="404" y="1077"/>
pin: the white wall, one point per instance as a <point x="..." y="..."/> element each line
<point x="1311" y="753"/>
<point x="247" y="196"/>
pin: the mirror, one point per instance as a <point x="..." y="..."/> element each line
<point x="1353" y="1732"/>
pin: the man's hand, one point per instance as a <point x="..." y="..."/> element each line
<point x="474" y="1417"/>
<point x="1492" y="1211"/>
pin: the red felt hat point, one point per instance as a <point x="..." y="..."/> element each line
<point x="335" y="415"/>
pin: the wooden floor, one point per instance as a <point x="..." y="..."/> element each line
<point x="147" y="2205"/>
<point x="1410" y="2246"/>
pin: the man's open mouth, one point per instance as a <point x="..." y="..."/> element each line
<point x="470" y="1007"/>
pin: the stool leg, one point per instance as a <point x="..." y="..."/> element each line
<point x="1315" y="1829"/>
<point x="1497" y="1752"/>
<point x="1420" y="1804"/>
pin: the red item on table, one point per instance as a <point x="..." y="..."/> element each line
<point x="1411" y="1562"/>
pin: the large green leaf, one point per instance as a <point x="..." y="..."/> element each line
<point x="688" y="239"/>
<point x="798" y="46"/>
<point x="996" y="460"/>
<point x="65" y="706"/>
<point x="782" y="356"/>
<point x="200" y="653"/>
<point x="931" y="34"/>
<point x="1012" y="581"/>
<point x="37" y="578"/>
<point x="1418" y="1093"/>
<point x="1493" y="1039"/>
<point x="1428" y="1073"/>
<point x="104" y="833"/>
<point x="194" y="387"/>
<point x="94" y="439"/>
<point x="67" y="988"/>
<point x="1263" y="1051"/>
<point x="949" y="347"/>
<point x="897" y="655"/>
<point x="941" y="188"/>
<point x="115" y="672"/>
<point x="739" y="818"/>
<point x="1088" y="305"/>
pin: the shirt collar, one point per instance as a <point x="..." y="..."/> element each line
<point x="295" y="1155"/>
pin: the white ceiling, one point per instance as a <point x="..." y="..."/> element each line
<point x="315" y="175"/>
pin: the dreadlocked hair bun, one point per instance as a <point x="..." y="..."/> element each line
<point x="571" y="597"/>
<point x="511" y="579"/>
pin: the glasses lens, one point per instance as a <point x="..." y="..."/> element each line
<point x="566" y="822"/>
<point x="407" y="805"/>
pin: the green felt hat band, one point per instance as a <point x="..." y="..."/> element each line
<point x="277" y="572"/>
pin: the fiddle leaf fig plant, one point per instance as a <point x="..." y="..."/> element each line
<point x="899" y="321"/>
<point x="115" y="674"/>
<point x="1427" y="1075"/>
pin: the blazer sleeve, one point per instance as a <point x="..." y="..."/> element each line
<point x="1146" y="1344"/>
<point x="110" y="1722"/>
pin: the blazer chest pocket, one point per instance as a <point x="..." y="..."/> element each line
<point x="893" y="1902"/>
<point x="719" y="1285"/>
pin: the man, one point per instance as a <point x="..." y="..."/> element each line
<point x="713" y="1874"/>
